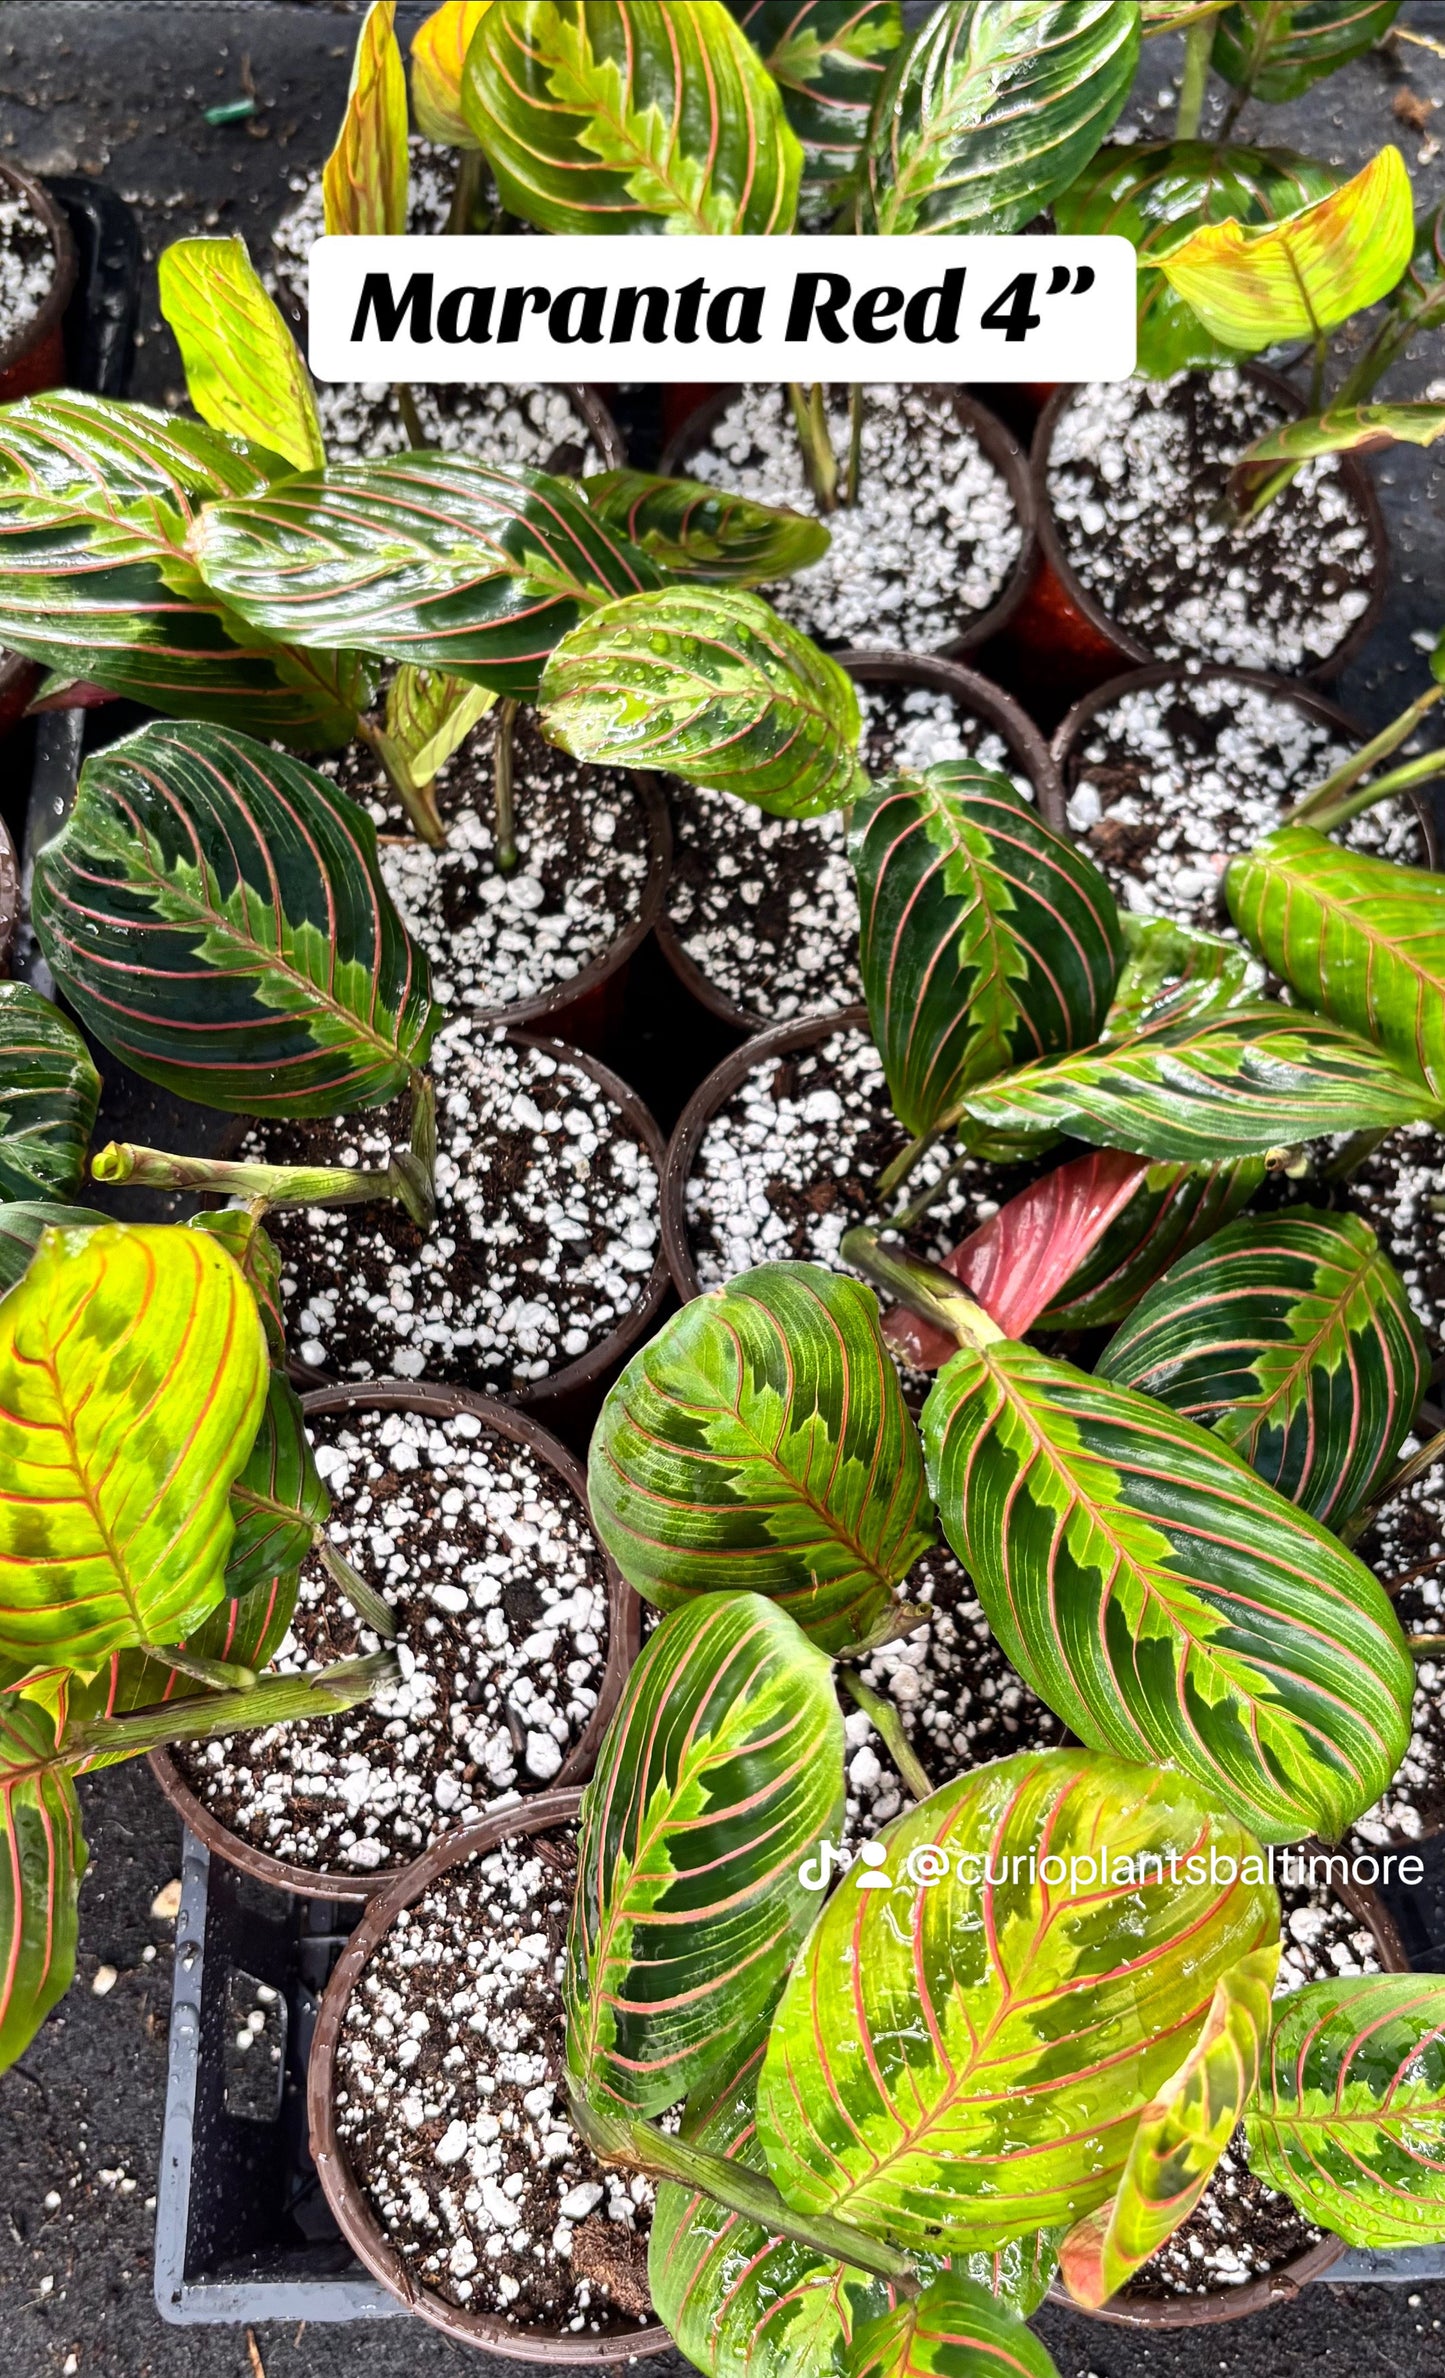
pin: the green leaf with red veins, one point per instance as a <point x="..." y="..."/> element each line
<point x="828" y="59"/>
<point x="1173" y="972"/>
<point x="42" y="1858"/>
<point x="702" y="532"/>
<point x="721" y="1773"/>
<point x="247" y="1630"/>
<point x="985" y="939"/>
<point x="1292" y="1338"/>
<point x="279" y="1502"/>
<point x="955" y="2329"/>
<point x="1161" y="1599"/>
<point x="1253" y="286"/>
<point x="22" y="1226"/>
<point x="1173" y="1207"/>
<point x="1275" y="49"/>
<point x="928" y="2017"/>
<point x="49" y="1092"/>
<point x="366" y="181"/>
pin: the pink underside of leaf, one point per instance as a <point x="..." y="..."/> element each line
<point x="1018" y="1262"/>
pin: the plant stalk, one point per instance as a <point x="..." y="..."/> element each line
<point x="465" y="193"/>
<point x="925" y="1288"/>
<point x="273" y="1700"/>
<point x="810" y="418"/>
<point x="1344" y="778"/>
<point x="504" y="807"/>
<point x="918" y="1206"/>
<point x="882" y="1715"/>
<point x="368" y="1604"/>
<point x="895" y="1174"/>
<point x="1425" y="1647"/>
<point x="410" y="417"/>
<point x="222" y="1675"/>
<point x="637" y="2146"/>
<point x="266" y="1185"/>
<point x="418" y="800"/>
<point x="1399" y="780"/>
<point x="1198" y="49"/>
<point x="855" y="443"/>
<point x="1407" y="1473"/>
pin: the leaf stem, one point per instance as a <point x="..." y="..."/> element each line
<point x="272" y="1700"/>
<point x="638" y="2146"/>
<point x="810" y="418"/>
<point x="1425" y="1647"/>
<point x="368" y="1604"/>
<point x="918" y="1206"/>
<point x="895" y="1174"/>
<point x="465" y="193"/>
<point x="1399" y="780"/>
<point x="855" y="443"/>
<point x="1348" y="774"/>
<point x="925" y="1288"/>
<point x="503" y="802"/>
<point x="1357" y="1147"/>
<point x="418" y="800"/>
<point x="410" y="417"/>
<point x="1317" y="373"/>
<point x="883" y="1716"/>
<point x="1409" y="1470"/>
<point x="267" y="1185"/>
<point x="1198" y="49"/>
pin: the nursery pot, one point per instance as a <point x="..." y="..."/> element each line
<point x="9" y="897"/>
<point x="624" y="1638"/>
<point x="1073" y="729"/>
<point x="1062" y="627"/>
<point x="997" y="443"/>
<point x="34" y="356"/>
<point x="1282" y="2285"/>
<point x="344" y="2194"/>
<point x="972" y="692"/>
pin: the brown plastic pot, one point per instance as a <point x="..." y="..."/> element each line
<point x="624" y="1640"/>
<point x="9" y="897"/>
<point x="1272" y="2287"/>
<point x="971" y="692"/>
<point x="34" y="357"/>
<point x="1304" y="697"/>
<point x="1003" y="451"/>
<point x="343" y="2190"/>
<point x="699" y="1111"/>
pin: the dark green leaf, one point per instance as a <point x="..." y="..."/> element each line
<point x="22" y="1227"/>
<point x="42" y="1858"/>
<point x="1173" y="972"/>
<point x="992" y="112"/>
<point x="278" y="1502"/>
<point x="1359" y="939"/>
<point x="762" y="1441"/>
<point x="217" y="916"/>
<point x="600" y="116"/>
<point x="1236" y="1082"/>
<point x="1349" y="2120"/>
<point x="1291" y="1336"/>
<point x="1160" y="1598"/>
<point x="49" y="1091"/>
<point x="437" y="559"/>
<point x="985" y="939"/>
<point x="720" y="1774"/>
<point x="1155" y="193"/>
<point x="828" y="58"/>
<point x="97" y="501"/>
<point x="710" y="685"/>
<point x="1275" y="49"/>
<point x="701" y="532"/>
<point x="925" y="2024"/>
<point x="1173" y="1207"/>
<point x="955" y="2329"/>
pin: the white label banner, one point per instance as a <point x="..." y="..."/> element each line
<point x="513" y="308"/>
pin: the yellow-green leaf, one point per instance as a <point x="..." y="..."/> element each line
<point x="429" y="715"/>
<point x="244" y="372"/>
<point x="365" y="183"/>
<point x="438" y="54"/>
<point x="1253" y="286"/>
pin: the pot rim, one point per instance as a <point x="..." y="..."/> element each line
<point x="343" y="2191"/>
<point x="1284" y="2284"/>
<point x="624" y="1641"/>
<point x="9" y="897"/>
<point x="878" y="666"/>
<point x="709" y="1095"/>
<point x="48" y="314"/>
<point x="1000" y="446"/>
<point x="1299" y="690"/>
<point x="1130" y="647"/>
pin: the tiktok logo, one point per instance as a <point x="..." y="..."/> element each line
<point x="815" y="1874"/>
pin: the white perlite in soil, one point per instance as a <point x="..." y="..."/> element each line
<point x="1136" y="478"/>
<point x="1173" y="779"/>
<point x="489" y="1562"/>
<point x="928" y="546"/>
<point x="546" y="1230"/>
<point x="1406" y="1550"/>
<point x="766" y="907"/>
<point x="361" y="420"/>
<point x="792" y="1160"/>
<point x="1397" y="1188"/>
<point x="27" y="263"/>
<point x="452" y="2106"/>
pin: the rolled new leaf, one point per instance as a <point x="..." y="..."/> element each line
<point x="733" y="2296"/>
<point x="1277" y="53"/>
<point x="244" y="372"/>
<point x="1048" y="1931"/>
<point x="597" y="115"/>
<point x="1292" y="1338"/>
<point x="702" y="532"/>
<point x="133" y="1375"/>
<point x="990" y="113"/>
<point x="1233" y="1083"/>
<point x="1349" y="2117"/>
<point x="49" y="1092"/>
<point x="1173" y="972"/>
<point x="1154" y="194"/>
<point x="1161" y="1599"/>
<point x="954" y="2329"/>
<point x="438" y="58"/>
<point x="96" y="502"/>
<point x="712" y="686"/>
<point x="42" y="1858"/>
<point x="217" y="917"/>
<point x="365" y="181"/>
<point x="429" y="716"/>
<point x="828" y="59"/>
<point x="985" y="938"/>
<point x="1359" y="939"/>
<point x="437" y="559"/>
<point x="721" y="1774"/>
<point x="761" y="1443"/>
<point x="1299" y="277"/>
<point x="1345" y="429"/>
<point x="1180" y="2138"/>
